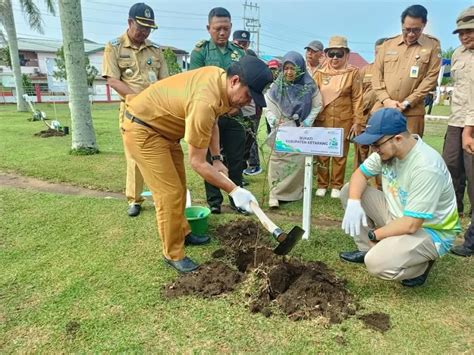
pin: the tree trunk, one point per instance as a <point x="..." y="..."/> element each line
<point x="83" y="135"/>
<point x="9" y="22"/>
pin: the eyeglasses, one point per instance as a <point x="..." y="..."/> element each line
<point x="378" y="145"/>
<point x="143" y="29"/>
<point x="335" y="54"/>
<point x="415" y="30"/>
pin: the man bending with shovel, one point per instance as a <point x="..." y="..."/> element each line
<point x="187" y="106"/>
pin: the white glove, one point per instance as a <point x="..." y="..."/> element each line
<point x="353" y="216"/>
<point x="242" y="199"/>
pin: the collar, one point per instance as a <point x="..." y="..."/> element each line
<point x="212" y="45"/>
<point x="223" y="89"/>
<point x="128" y="43"/>
<point x="421" y="40"/>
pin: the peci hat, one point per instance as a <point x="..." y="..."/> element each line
<point x="241" y="35"/>
<point x="257" y="76"/>
<point x="465" y="20"/>
<point x="143" y="15"/>
<point x="383" y="122"/>
<point x="315" y="46"/>
<point x="273" y="64"/>
<point x="337" y="42"/>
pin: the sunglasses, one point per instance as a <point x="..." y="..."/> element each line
<point x="415" y="30"/>
<point x="335" y="54"/>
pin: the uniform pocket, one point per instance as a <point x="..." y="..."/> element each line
<point x="390" y="63"/>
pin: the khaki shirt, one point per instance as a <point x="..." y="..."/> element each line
<point x="462" y="103"/>
<point x="393" y="64"/>
<point x="368" y="94"/>
<point x="183" y="105"/>
<point x="136" y="67"/>
<point x="348" y="105"/>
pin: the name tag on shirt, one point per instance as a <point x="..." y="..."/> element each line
<point x="152" y="76"/>
<point x="414" y="71"/>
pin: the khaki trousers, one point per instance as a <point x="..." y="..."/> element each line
<point x="394" y="258"/>
<point x="416" y="125"/>
<point x="134" y="182"/>
<point x="162" y="164"/>
<point x="333" y="177"/>
<point x="361" y="152"/>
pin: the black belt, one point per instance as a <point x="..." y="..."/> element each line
<point x="136" y="120"/>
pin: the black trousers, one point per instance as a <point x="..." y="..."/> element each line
<point x="232" y="141"/>
<point x="469" y="235"/>
<point x="251" y="157"/>
<point x="460" y="165"/>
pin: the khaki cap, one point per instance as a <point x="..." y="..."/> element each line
<point x="465" y="20"/>
<point x="337" y="42"/>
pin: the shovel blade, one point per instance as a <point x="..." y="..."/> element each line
<point x="290" y="241"/>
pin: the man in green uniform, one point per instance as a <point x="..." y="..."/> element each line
<point x="131" y="63"/>
<point x="220" y="52"/>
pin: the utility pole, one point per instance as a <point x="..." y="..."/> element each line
<point x="252" y="23"/>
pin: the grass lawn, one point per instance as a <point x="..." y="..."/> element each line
<point x="78" y="275"/>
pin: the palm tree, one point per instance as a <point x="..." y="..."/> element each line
<point x="7" y="19"/>
<point x="83" y="135"/>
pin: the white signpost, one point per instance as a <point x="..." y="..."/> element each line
<point x="309" y="141"/>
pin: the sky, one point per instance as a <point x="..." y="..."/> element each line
<point x="285" y="25"/>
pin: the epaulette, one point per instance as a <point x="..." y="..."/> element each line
<point x="153" y="44"/>
<point x="432" y="37"/>
<point x="115" y="42"/>
<point x="201" y="43"/>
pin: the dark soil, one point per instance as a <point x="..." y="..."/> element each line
<point x="279" y="284"/>
<point x="376" y="321"/>
<point x="49" y="133"/>
<point x="212" y="279"/>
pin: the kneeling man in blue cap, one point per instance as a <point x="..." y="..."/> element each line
<point x="401" y="230"/>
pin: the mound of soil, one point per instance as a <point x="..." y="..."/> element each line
<point x="212" y="279"/>
<point x="282" y="284"/>
<point x="49" y="133"/>
<point x="376" y="321"/>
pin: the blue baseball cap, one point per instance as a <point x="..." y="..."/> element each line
<point x="383" y="122"/>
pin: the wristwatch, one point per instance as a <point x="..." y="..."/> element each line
<point x="406" y="104"/>
<point x="372" y="236"/>
<point x="217" y="157"/>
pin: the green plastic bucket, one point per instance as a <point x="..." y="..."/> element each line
<point x="197" y="217"/>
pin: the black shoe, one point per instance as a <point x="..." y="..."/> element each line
<point x="192" y="239"/>
<point x="239" y="210"/>
<point x="216" y="209"/>
<point x="134" y="210"/>
<point x="245" y="183"/>
<point x="461" y="250"/>
<point x="419" y="280"/>
<point x="353" y="256"/>
<point x="185" y="265"/>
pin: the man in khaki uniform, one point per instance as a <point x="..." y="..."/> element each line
<point x="188" y="105"/>
<point x="131" y="63"/>
<point x="369" y="98"/>
<point x="407" y="68"/>
<point x="459" y="134"/>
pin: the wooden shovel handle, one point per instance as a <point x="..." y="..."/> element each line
<point x="267" y="222"/>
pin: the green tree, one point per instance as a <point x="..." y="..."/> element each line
<point x="61" y="73"/>
<point x="27" y="84"/>
<point x="171" y="61"/>
<point x="7" y="20"/>
<point x="5" y="56"/>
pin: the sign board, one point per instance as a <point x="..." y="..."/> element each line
<point x="310" y="141"/>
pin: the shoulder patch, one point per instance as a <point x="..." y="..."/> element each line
<point x="432" y="37"/>
<point x="115" y="42"/>
<point x="201" y="43"/>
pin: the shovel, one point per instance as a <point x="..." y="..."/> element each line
<point x="286" y="242"/>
